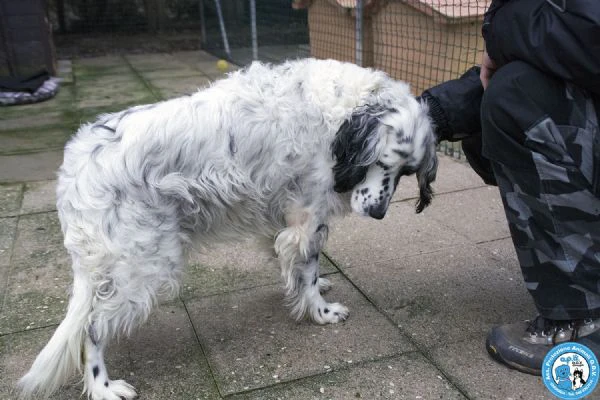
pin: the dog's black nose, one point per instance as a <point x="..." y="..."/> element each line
<point x="378" y="212"/>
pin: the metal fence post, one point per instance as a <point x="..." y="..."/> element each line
<point x="359" y="32"/>
<point x="202" y="25"/>
<point x="254" y="32"/>
<point x="222" y="26"/>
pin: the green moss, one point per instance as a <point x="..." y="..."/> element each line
<point x="35" y="139"/>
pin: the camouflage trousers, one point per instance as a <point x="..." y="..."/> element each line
<point x="541" y="136"/>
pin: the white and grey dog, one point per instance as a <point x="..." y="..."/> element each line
<point x="272" y="151"/>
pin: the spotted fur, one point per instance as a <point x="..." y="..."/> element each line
<point x="270" y="151"/>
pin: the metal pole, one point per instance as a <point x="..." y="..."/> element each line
<point x="254" y="33"/>
<point x="222" y="26"/>
<point x="202" y="25"/>
<point x="359" y="32"/>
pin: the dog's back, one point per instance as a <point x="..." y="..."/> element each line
<point x="200" y="156"/>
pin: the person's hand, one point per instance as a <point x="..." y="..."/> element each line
<point x="488" y="67"/>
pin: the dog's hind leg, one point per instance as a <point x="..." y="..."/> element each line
<point x="63" y="355"/>
<point x="123" y="301"/>
<point x="298" y="248"/>
<point x="125" y="291"/>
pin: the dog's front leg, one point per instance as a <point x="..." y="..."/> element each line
<point x="298" y="248"/>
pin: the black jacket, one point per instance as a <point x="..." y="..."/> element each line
<point x="561" y="37"/>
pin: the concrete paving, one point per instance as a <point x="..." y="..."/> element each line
<point x="423" y="290"/>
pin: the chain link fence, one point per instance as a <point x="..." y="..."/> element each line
<point x="423" y="42"/>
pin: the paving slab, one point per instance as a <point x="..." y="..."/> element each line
<point x="446" y="296"/>
<point x="169" y="88"/>
<point x="503" y="252"/>
<point x="52" y="112"/>
<point x="409" y="376"/>
<point x="39" y="277"/>
<point x="251" y="341"/>
<point x="234" y="266"/>
<point x="10" y="198"/>
<point x="32" y="120"/>
<point x="109" y="83"/>
<point x="164" y="358"/>
<point x="106" y="92"/>
<point x="206" y="63"/>
<point x="17" y="352"/>
<point x="356" y="240"/>
<point x="8" y="231"/>
<point x="476" y="214"/>
<point x="35" y="140"/>
<point x="175" y="73"/>
<point x="89" y="74"/>
<point x="39" y="197"/>
<point x="101" y="62"/>
<point x="467" y="364"/>
<point x="144" y="63"/>
<point x="194" y="56"/>
<point x="30" y="167"/>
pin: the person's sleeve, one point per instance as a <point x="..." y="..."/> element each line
<point x="454" y="106"/>
<point x="560" y="37"/>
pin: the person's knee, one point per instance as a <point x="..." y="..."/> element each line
<point x="517" y="97"/>
<point x="513" y="76"/>
<point x="509" y="82"/>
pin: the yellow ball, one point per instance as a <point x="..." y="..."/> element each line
<point x="222" y="65"/>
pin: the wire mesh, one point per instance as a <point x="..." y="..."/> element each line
<point x="423" y="42"/>
<point x="428" y="41"/>
<point x="281" y="31"/>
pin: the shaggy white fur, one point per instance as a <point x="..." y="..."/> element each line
<point x="274" y="151"/>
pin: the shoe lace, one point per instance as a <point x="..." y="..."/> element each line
<point x="541" y="326"/>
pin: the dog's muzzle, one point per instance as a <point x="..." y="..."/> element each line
<point x="378" y="211"/>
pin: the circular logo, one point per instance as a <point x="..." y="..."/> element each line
<point x="570" y="371"/>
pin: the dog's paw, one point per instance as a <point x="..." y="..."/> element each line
<point x="324" y="285"/>
<point x="113" y="390"/>
<point x="330" y="313"/>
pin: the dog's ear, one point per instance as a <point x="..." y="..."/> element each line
<point x="355" y="146"/>
<point x="428" y="168"/>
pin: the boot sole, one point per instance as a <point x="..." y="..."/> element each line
<point x="496" y="356"/>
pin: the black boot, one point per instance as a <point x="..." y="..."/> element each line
<point x="524" y="345"/>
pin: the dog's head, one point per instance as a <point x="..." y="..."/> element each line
<point x="379" y="144"/>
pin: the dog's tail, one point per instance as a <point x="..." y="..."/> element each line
<point x="62" y="355"/>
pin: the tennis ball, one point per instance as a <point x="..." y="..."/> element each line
<point x="222" y="65"/>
